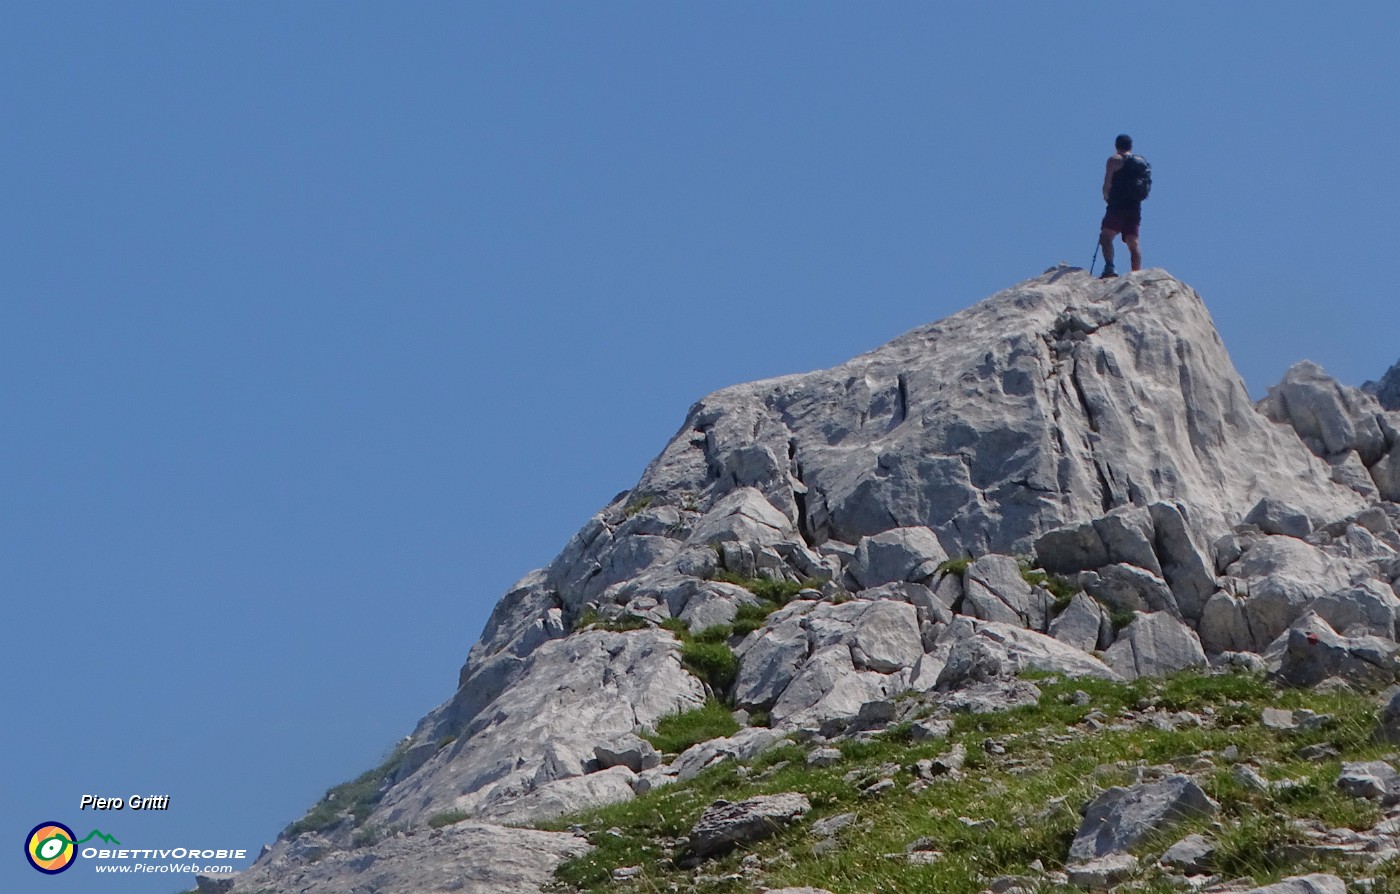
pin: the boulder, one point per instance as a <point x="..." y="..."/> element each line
<point x="985" y="651"/>
<point x="1084" y="624"/>
<point x="1192" y="855"/>
<point x="1318" y="883"/>
<point x="743" y="516"/>
<point x="900" y="554"/>
<point x="1102" y="873"/>
<point x="1135" y="558"/>
<point x="1387" y="390"/>
<point x="829" y="687"/>
<point x="816" y="662"/>
<point x="1386" y="475"/>
<point x="1123" y="536"/>
<point x="886" y="637"/>
<point x="1119" y="818"/>
<point x="724" y="825"/>
<point x="705" y="603"/>
<point x="1153" y="645"/>
<point x="562" y="796"/>
<point x="769" y="658"/>
<point x="995" y="590"/>
<point x="1329" y="417"/>
<point x="993" y="697"/>
<point x="1182" y="551"/>
<point x="1128" y="588"/>
<point x="1275" y="580"/>
<point x="1388" y="729"/>
<point x="1373" y="780"/>
<point x="743" y="745"/>
<point x="1370" y="608"/>
<point x="1311" y="651"/>
<point x="632" y="752"/>
<point x="1349" y="471"/>
<point x="1276" y="517"/>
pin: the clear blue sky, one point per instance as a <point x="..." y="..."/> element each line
<point x="325" y="322"/>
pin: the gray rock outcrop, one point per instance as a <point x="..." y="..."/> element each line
<point x="1330" y="418"/>
<point x="468" y="858"/>
<point x="1311" y="651"/>
<point x="724" y="825"/>
<point x="1318" y="883"/>
<point x="1387" y="390"/>
<point x="1098" y="426"/>
<point x="1374" y="780"/>
<point x="1153" y="645"/>
<point x="1121" y="817"/>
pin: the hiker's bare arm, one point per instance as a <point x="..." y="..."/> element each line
<point x="1114" y="164"/>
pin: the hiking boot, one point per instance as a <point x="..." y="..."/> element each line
<point x="1109" y="273"/>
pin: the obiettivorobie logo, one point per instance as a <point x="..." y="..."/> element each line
<point x="52" y="847"/>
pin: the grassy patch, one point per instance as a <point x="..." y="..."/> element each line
<point x="678" y="732"/>
<point x="357" y="797"/>
<point x="637" y="504"/>
<point x="706" y="653"/>
<point x="1061" y="589"/>
<point x="954" y="566"/>
<point x="713" y="662"/>
<point x="1012" y="809"/>
<point x="447" y="818"/>
<point x="780" y="592"/>
<point x="751" y="616"/>
<point x="772" y="595"/>
<point x="621" y="624"/>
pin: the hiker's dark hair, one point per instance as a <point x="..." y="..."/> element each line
<point x="1124" y="143"/>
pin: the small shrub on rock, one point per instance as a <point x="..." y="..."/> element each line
<point x="676" y="733"/>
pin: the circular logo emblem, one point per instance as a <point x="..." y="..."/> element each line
<point x="49" y="848"/>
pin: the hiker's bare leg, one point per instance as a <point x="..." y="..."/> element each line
<point x="1133" y="252"/>
<point x="1106" y="243"/>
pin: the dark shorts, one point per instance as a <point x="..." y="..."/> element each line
<point x="1126" y="219"/>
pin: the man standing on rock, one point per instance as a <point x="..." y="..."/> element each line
<point x="1126" y="182"/>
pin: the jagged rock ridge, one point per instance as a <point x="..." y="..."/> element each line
<point x="1096" y="426"/>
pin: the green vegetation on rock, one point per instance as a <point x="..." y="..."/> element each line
<point x="448" y="818"/>
<point x="713" y="662"/>
<point x="1017" y="803"/>
<point x="772" y="595"/>
<point x="677" y="732"/>
<point x="623" y="623"/>
<point x="357" y="797"/>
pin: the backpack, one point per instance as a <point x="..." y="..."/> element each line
<point x="1136" y="176"/>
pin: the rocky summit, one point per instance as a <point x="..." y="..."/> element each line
<point x="1066" y="481"/>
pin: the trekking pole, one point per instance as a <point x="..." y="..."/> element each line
<point x="1095" y="260"/>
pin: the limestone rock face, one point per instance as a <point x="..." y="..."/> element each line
<point x="983" y="651"/>
<point x="1153" y="645"/>
<point x="1065" y="401"/>
<point x="466" y="858"/>
<point x="1096" y="426"/>
<point x="578" y="693"/>
<point x="1387" y="390"/>
<point x="1329" y="418"/>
